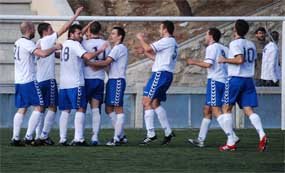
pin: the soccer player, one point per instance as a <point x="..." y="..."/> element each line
<point x="118" y="61"/>
<point x="240" y="86"/>
<point x="27" y="88"/>
<point x="164" y="52"/>
<point x="270" y="71"/>
<point x="46" y="77"/>
<point x="94" y="79"/>
<point x="72" y="92"/>
<point x="217" y="74"/>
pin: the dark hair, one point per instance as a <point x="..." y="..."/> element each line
<point x="121" y="32"/>
<point x="169" y="26"/>
<point x="260" y="29"/>
<point x="42" y="27"/>
<point x="72" y="29"/>
<point x="216" y="33"/>
<point x="95" y="27"/>
<point x="241" y="27"/>
<point x="274" y="35"/>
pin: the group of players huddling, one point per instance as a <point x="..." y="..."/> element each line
<point x="85" y="57"/>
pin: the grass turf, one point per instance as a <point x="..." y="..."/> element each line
<point x="178" y="156"/>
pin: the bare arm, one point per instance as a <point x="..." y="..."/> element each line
<point x="100" y="64"/>
<point x="65" y="27"/>
<point x="198" y="63"/>
<point x="238" y="59"/>
<point x="44" y="53"/>
<point x="147" y="48"/>
<point x="90" y="55"/>
<point x="84" y="30"/>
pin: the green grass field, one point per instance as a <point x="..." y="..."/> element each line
<point x="178" y="156"/>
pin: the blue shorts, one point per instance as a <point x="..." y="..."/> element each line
<point x="94" y="89"/>
<point x="28" y="94"/>
<point x="73" y="98"/>
<point x="49" y="92"/>
<point x="157" y="85"/>
<point x="215" y="92"/>
<point x="240" y="90"/>
<point x="115" y="92"/>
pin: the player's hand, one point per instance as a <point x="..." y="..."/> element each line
<point x="140" y="36"/>
<point x="221" y="59"/>
<point x="78" y="11"/>
<point x="190" y="61"/>
<point x="139" y="50"/>
<point x="58" y="46"/>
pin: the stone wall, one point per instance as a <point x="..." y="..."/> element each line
<point x="192" y="75"/>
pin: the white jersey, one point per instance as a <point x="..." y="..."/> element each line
<point x="118" y="67"/>
<point x="71" y="65"/>
<point x="248" y="50"/>
<point x="92" y="45"/>
<point x="217" y="71"/>
<point x="166" y="53"/>
<point x="24" y="61"/>
<point x="46" y="65"/>
<point x="270" y="67"/>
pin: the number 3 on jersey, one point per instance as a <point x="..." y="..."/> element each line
<point x="65" y="56"/>
<point x="248" y="55"/>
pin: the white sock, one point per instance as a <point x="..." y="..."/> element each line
<point x="33" y="122"/>
<point x="40" y="126"/>
<point x="17" y="123"/>
<point x="226" y="123"/>
<point x="79" y="126"/>
<point x="204" y="129"/>
<point x="63" y="122"/>
<point x="119" y="126"/>
<point x="96" y="120"/>
<point x="113" y="117"/>
<point x="161" y="114"/>
<point x="256" y="122"/>
<point x="149" y="122"/>
<point x="49" y="120"/>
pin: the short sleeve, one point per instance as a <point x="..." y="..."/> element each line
<point x="236" y="49"/>
<point x="48" y="41"/>
<point x="114" y="53"/>
<point x="79" y="50"/>
<point x="160" y="45"/>
<point x="210" y="56"/>
<point x="30" y="46"/>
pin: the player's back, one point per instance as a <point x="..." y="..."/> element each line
<point x="247" y="49"/>
<point x="92" y="45"/>
<point x="118" y="67"/>
<point x="166" y="50"/>
<point x="24" y="60"/>
<point x="46" y="65"/>
<point x="71" y="65"/>
<point x="217" y="71"/>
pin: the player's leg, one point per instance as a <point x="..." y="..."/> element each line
<point x="17" y="123"/>
<point x="65" y="107"/>
<point x="35" y="99"/>
<point x="52" y="102"/>
<point x="162" y="117"/>
<point x="95" y="94"/>
<point x="205" y="124"/>
<point x="225" y="120"/>
<point x="47" y="125"/>
<point x="149" y="121"/>
<point x="248" y="101"/>
<point x="257" y="124"/>
<point x="96" y="120"/>
<point x="116" y="99"/>
<point x="79" y="103"/>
